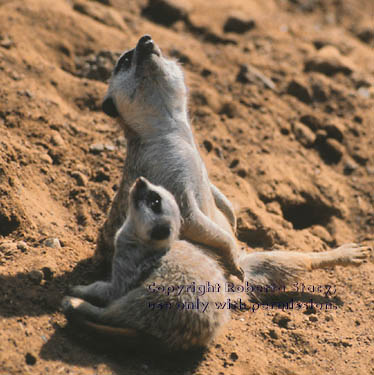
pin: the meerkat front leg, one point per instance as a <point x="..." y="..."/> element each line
<point x="224" y="205"/>
<point x="199" y="228"/>
<point x="99" y="293"/>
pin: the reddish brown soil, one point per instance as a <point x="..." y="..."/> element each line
<point x="295" y="155"/>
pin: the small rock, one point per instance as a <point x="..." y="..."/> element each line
<point x="281" y="319"/>
<point x="30" y="359"/>
<point x="109" y="147"/>
<point x="274" y="333"/>
<point x="366" y="34"/>
<point x="360" y="155"/>
<point x="6" y="42"/>
<point x="322" y="233"/>
<point x="313" y="318"/>
<point x="249" y="74"/>
<point x="299" y="91"/>
<point x="167" y="12"/>
<point x="230" y="109"/>
<point x="364" y="92"/>
<point x="319" y="92"/>
<point x="239" y="23"/>
<point x="21" y="245"/>
<point x="80" y="178"/>
<point x="303" y="134"/>
<point x="36" y="276"/>
<point x="208" y="145"/>
<point x="349" y="167"/>
<point x="311" y="122"/>
<point x="331" y="150"/>
<point x="57" y="140"/>
<point x="242" y="173"/>
<point x="234" y="356"/>
<point x="329" y="61"/>
<point x="97" y="148"/>
<point x="370" y="170"/>
<point x="334" y="130"/>
<point x="46" y="158"/>
<point x="52" y="242"/>
<point x="47" y="273"/>
<point x="101" y="176"/>
<point x="234" y="163"/>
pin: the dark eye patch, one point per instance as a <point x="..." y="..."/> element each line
<point x="153" y="201"/>
<point x="124" y="61"/>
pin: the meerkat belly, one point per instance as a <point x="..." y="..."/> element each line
<point x="189" y="279"/>
<point x="176" y="166"/>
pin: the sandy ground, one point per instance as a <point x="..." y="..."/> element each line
<point x="281" y="101"/>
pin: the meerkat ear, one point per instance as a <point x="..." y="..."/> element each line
<point x="109" y="107"/>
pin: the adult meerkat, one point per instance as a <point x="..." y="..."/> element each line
<point x="148" y="95"/>
<point x="154" y="290"/>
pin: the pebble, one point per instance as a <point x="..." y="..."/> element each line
<point x="239" y="23"/>
<point x="167" y="12"/>
<point x="274" y="333"/>
<point x="322" y="233"/>
<point x="311" y="122"/>
<point x="47" y="273"/>
<point x="335" y="130"/>
<point x="281" y="319"/>
<point x="30" y="359"/>
<point x="36" y="276"/>
<point x="303" y="134"/>
<point x="334" y="149"/>
<point x="52" y="242"/>
<point x="299" y="90"/>
<point x="329" y="61"/>
<point x="234" y="356"/>
<point x="80" y="178"/>
<point x="57" y="140"/>
<point x="6" y="42"/>
<point x="349" y="167"/>
<point x="364" y="92"/>
<point x="46" y="158"/>
<point x="21" y="245"/>
<point x="249" y="74"/>
<point x="366" y="34"/>
<point x="208" y="145"/>
<point x="97" y="148"/>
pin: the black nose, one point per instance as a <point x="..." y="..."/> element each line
<point x="160" y="232"/>
<point x="109" y="107"/>
<point x="145" y="46"/>
<point x="144" y="39"/>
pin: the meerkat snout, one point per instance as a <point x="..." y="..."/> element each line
<point x="145" y="48"/>
<point x="160" y="232"/>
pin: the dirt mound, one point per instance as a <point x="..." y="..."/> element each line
<point x="281" y="101"/>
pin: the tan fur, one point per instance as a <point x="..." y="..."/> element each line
<point x="127" y="304"/>
<point x="148" y="95"/>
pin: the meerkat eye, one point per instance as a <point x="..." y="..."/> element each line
<point x="154" y="202"/>
<point x="124" y="61"/>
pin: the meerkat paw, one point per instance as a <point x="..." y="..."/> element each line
<point x="70" y="305"/>
<point x="77" y="291"/>
<point x="354" y="254"/>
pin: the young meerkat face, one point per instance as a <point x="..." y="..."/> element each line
<point x="154" y="213"/>
<point x="146" y="89"/>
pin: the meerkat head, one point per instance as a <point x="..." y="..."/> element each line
<point x="147" y="90"/>
<point x="154" y="214"/>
